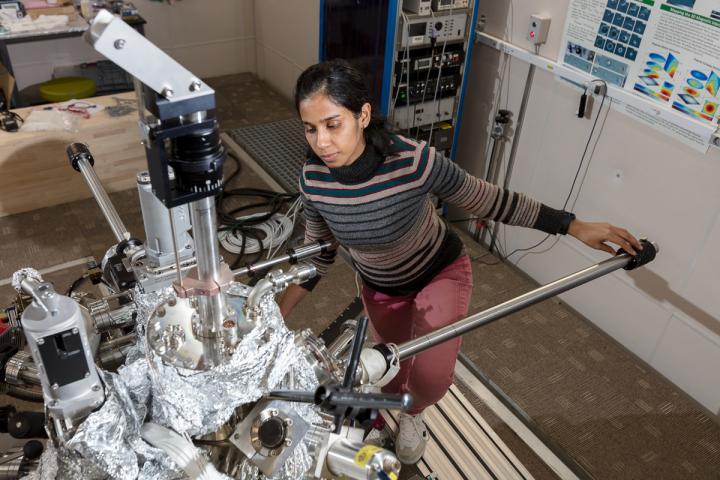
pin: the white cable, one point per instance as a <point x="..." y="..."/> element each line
<point x="274" y="232"/>
<point x="181" y="450"/>
<point x="292" y="215"/>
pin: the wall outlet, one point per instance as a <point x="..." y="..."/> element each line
<point x="538" y="29"/>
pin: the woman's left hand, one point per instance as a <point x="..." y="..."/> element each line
<point x="597" y="235"/>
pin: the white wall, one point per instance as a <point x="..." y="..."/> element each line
<point x="287" y="38"/>
<point x="209" y="38"/>
<point x="667" y="313"/>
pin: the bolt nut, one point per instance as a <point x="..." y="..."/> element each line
<point x="195" y="86"/>
<point x="96" y="388"/>
<point x="75" y="330"/>
<point x="288" y="442"/>
<point x="119" y="44"/>
<point x="40" y="341"/>
<point x="167" y="92"/>
<point x="87" y="374"/>
<point x="55" y="386"/>
<point x="288" y="422"/>
<point x="236" y="436"/>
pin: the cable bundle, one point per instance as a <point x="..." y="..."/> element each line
<point x="251" y="234"/>
<point x="272" y="234"/>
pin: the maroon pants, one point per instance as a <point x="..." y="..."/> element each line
<point x="428" y="375"/>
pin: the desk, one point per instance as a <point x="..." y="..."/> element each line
<point x="35" y="172"/>
<point x="76" y="26"/>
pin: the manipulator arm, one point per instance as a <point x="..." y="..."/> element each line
<point x="181" y="131"/>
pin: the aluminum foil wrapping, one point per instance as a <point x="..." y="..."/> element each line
<point x="108" y="443"/>
<point x="200" y="402"/>
<point x="23" y="273"/>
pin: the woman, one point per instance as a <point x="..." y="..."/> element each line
<point x="369" y="191"/>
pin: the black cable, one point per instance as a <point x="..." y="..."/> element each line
<point x="577" y="172"/>
<point x="10" y="121"/>
<point x="75" y="285"/>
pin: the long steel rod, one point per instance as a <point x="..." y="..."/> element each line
<point x="415" y="346"/>
<point x="297" y="254"/>
<point x="101" y="197"/>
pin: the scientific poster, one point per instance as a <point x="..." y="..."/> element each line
<point x="667" y="51"/>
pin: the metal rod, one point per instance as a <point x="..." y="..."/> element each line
<point x="518" y="128"/>
<point x="294" y="255"/>
<point x="355" y="351"/>
<point x="101" y="197"/>
<point x="413" y="347"/>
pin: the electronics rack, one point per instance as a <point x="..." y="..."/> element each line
<point x="415" y="54"/>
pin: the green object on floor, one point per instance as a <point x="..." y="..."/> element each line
<point x="67" y="88"/>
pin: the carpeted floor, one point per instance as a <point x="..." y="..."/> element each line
<point x="612" y="414"/>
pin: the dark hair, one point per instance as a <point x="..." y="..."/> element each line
<point x="346" y="86"/>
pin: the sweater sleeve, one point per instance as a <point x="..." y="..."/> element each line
<point x="488" y="201"/>
<point x="316" y="229"/>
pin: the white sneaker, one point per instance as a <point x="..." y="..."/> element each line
<point x="411" y="438"/>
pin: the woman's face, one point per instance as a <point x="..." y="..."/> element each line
<point x="333" y="132"/>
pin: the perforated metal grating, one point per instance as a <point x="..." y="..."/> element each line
<point x="278" y="147"/>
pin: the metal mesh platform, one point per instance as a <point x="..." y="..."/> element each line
<point x="278" y="147"/>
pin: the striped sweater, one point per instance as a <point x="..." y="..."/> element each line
<point x="381" y="210"/>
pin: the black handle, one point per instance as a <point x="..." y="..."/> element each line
<point x="355" y="351"/>
<point x="76" y="151"/>
<point x="641" y="257"/>
<point x="583" y="103"/>
<point x="336" y="398"/>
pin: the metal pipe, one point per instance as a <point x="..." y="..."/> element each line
<point x="82" y="161"/>
<point x="211" y="308"/>
<point x="25" y="393"/>
<point x="118" y="342"/>
<point x="415" y="346"/>
<point x="275" y="282"/>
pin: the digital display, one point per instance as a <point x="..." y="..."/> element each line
<point x="417" y="29"/>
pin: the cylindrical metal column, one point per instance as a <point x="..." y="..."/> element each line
<point x="211" y="308"/>
<point x="425" y="342"/>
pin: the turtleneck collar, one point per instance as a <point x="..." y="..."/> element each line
<point x="361" y="170"/>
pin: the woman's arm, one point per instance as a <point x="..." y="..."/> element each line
<point x="488" y="201"/>
<point x="315" y="229"/>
